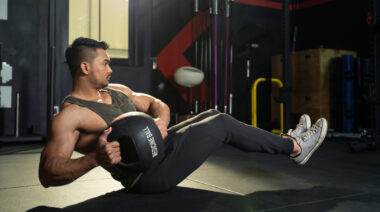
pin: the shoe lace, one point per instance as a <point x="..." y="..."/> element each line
<point x="305" y="136"/>
<point x="299" y="126"/>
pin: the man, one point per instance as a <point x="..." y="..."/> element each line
<point x="93" y="104"/>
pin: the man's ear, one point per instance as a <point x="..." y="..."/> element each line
<point x="84" y="67"/>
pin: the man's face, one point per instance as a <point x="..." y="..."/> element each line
<point x="100" y="73"/>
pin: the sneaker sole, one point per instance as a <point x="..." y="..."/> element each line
<point x="320" y="141"/>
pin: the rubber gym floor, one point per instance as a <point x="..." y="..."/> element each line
<point x="230" y="180"/>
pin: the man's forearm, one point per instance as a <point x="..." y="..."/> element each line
<point x="60" y="171"/>
<point x="159" y="109"/>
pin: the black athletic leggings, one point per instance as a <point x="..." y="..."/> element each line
<point x="190" y="142"/>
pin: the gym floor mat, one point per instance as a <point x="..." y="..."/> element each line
<point x="230" y="180"/>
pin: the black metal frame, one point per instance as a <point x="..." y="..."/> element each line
<point x="286" y="63"/>
<point x="376" y="58"/>
<point x="51" y="67"/>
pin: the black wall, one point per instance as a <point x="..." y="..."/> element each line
<point x="26" y="39"/>
<point x="340" y="24"/>
<point x="24" y="36"/>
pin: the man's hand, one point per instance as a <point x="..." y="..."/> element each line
<point x="162" y="127"/>
<point x="107" y="153"/>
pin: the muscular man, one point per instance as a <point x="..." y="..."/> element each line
<point x="93" y="104"/>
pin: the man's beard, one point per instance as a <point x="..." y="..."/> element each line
<point x="104" y="86"/>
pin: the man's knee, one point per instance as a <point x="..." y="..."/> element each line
<point x="222" y="116"/>
<point x="213" y="111"/>
<point x="219" y="120"/>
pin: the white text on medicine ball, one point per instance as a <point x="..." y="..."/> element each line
<point x="152" y="142"/>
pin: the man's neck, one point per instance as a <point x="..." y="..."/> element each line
<point x="85" y="91"/>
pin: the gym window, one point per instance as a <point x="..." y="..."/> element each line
<point x="106" y="20"/>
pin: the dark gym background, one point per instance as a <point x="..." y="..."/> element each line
<point x="343" y="175"/>
<point x="31" y="40"/>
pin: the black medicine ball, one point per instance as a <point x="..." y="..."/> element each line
<point x="141" y="143"/>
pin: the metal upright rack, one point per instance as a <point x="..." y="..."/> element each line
<point x="286" y="63"/>
<point x="375" y="6"/>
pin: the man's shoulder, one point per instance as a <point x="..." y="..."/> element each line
<point x="71" y="113"/>
<point x="66" y="119"/>
<point x="69" y="108"/>
<point x="119" y="87"/>
<point x="78" y="117"/>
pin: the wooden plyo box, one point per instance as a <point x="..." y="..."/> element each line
<point x="310" y="82"/>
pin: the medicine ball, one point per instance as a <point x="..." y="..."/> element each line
<point x="141" y="143"/>
<point x="188" y="76"/>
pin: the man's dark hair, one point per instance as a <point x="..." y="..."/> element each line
<point x="82" y="49"/>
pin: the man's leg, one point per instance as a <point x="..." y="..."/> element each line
<point x="190" y="146"/>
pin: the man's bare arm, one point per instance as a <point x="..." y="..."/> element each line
<point x="148" y="104"/>
<point x="57" y="167"/>
<point x="152" y="106"/>
<point x="87" y="143"/>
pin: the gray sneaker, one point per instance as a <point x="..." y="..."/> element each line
<point x="303" y="125"/>
<point x="310" y="141"/>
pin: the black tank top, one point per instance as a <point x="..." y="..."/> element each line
<point x="121" y="103"/>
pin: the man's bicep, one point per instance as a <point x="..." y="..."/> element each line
<point x="62" y="139"/>
<point x="86" y="143"/>
<point x="142" y="101"/>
